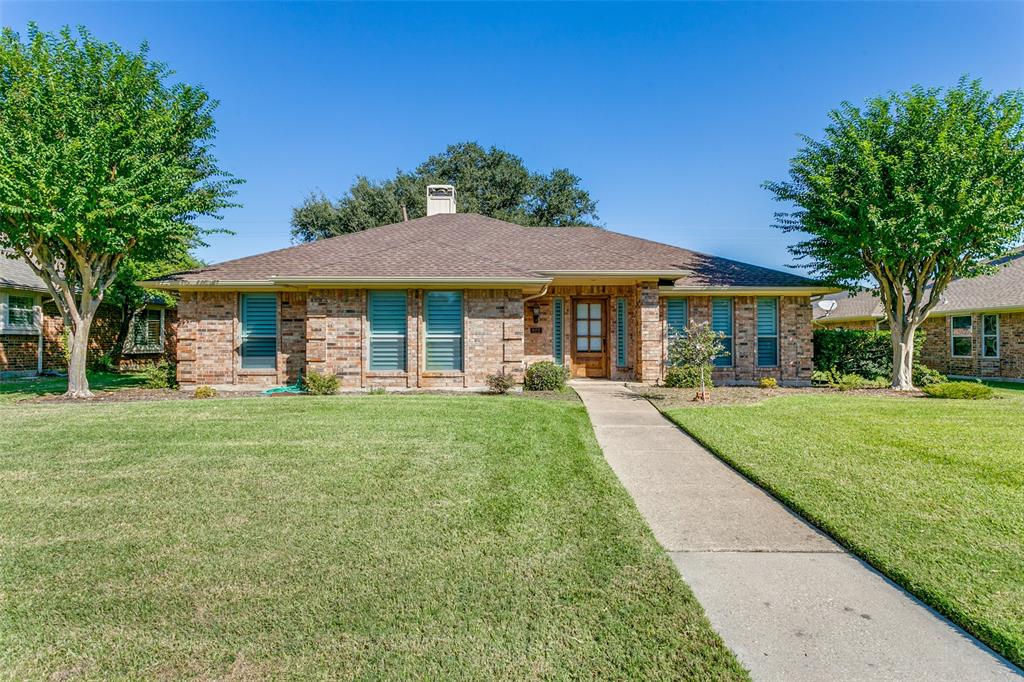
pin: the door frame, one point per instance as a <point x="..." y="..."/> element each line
<point x="584" y="359"/>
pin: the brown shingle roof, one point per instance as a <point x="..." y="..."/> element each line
<point x="472" y="246"/>
<point x="1002" y="289"/>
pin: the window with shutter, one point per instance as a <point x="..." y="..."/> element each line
<point x="721" y="321"/>
<point x="443" y="322"/>
<point x="387" y="315"/>
<point x="259" y="331"/>
<point x="147" y="332"/>
<point x="767" y="332"/>
<point x="557" y="333"/>
<point x="676" y="316"/>
<point x="21" y="312"/>
<point x="620" y="332"/>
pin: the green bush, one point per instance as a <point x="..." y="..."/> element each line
<point x="104" y="364"/>
<point x="688" y="376"/>
<point x="545" y="376"/>
<point x="768" y="382"/>
<point x="959" y="390"/>
<point x="378" y="390"/>
<point x="923" y="375"/>
<point x="204" y="392"/>
<point x="501" y="383"/>
<point x="852" y="351"/>
<point x="320" y="384"/>
<point x="160" y="374"/>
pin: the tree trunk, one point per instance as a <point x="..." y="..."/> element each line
<point x="903" y="358"/>
<point x="78" y="381"/>
<point x="124" y="328"/>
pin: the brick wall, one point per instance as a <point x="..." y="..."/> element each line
<point x="19" y="353"/>
<point x="936" y="352"/>
<point x="206" y="338"/>
<point x="796" y="345"/>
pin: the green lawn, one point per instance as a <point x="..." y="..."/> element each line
<point x="377" y="537"/>
<point x="12" y="390"/>
<point x="931" y="492"/>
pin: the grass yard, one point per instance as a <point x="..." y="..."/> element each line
<point x="418" y="536"/>
<point x="13" y="390"/>
<point x="931" y="492"/>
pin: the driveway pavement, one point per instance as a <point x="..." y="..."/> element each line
<point x="790" y="602"/>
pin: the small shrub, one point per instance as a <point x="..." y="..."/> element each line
<point x="545" y="376"/>
<point x="959" y="390"/>
<point x="688" y="376"/>
<point x="853" y="382"/>
<point x="160" y="374"/>
<point x="924" y="375"/>
<point x="768" y="382"/>
<point x="204" y="392"/>
<point x="378" y="390"/>
<point x="320" y="384"/>
<point x="104" y="363"/>
<point x="501" y="383"/>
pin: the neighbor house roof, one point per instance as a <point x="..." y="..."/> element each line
<point x="16" y="274"/>
<point x="1001" y="290"/>
<point x="471" y="247"/>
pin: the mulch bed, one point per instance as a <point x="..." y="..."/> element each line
<point x="665" y="398"/>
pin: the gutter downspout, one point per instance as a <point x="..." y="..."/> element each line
<point x="543" y="292"/>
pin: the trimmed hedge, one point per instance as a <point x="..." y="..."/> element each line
<point x="545" y="376"/>
<point x="959" y="390"/>
<point x="853" y="351"/>
<point x="688" y="376"/>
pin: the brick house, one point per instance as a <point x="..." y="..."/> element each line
<point x="977" y="330"/>
<point x="446" y="300"/>
<point x="32" y="330"/>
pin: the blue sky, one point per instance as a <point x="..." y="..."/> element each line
<point x="673" y="114"/>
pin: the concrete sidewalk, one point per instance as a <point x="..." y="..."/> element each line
<point x="788" y="600"/>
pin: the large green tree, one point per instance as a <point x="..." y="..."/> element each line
<point x="912" y="190"/>
<point x="492" y="182"/>
<point x="102" y="158"/>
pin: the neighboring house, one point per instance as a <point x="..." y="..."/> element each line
<point x="446" y="300"/>
<point x="32" y="330"/>
<point x="977" y="330"/>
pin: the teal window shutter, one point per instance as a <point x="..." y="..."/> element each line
<point x="677" y="315"/>
<point x="387" y="314"/>
<point x="557" y="335"/>
<point x="721" y="321"/>
<point x="443" y="318"/>
<point x="620" y="331"/>
<point x="767" y="332"/>
<point x="259" y="331"/>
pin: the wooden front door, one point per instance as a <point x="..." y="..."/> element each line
<point x="589" y="337"/>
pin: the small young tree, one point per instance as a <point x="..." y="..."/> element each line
<point x="914" y="190"/>
<point x="697" y="346"/>
<point x="101" y="160"/>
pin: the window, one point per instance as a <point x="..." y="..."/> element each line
<point x="721" y="321"/>
<point x="259" y="331"/>
<point x="767" y="332"/>
<point x="990" y="336"/>
<point x="147" y="335"/>
<point x="388" y="327"/>
<point x="589" y="335"/>
<point x="620" y="332"/>
<point x="557" y="333"/>
<point x="443" y="316"/>
<point x="962" y="344"/>
<point x="676" y="316"/>
<point x="21" y="312"/>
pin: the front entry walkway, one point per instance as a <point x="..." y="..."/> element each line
<point x="788" y="600"/>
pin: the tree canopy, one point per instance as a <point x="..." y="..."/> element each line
<point x="103" y="158"/>
<point x="912" y="190"/>
<point x="491" y="182"/>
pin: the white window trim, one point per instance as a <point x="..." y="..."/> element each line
<point x="952" y="336"/>
<point x="984" y="336"/>
<point x="131" y="349"/>
<point x="37" y="314"/>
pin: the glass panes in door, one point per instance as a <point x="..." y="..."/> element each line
<point x="589" y="328"/>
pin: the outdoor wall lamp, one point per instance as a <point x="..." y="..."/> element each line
<point x="535" y="311"/>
